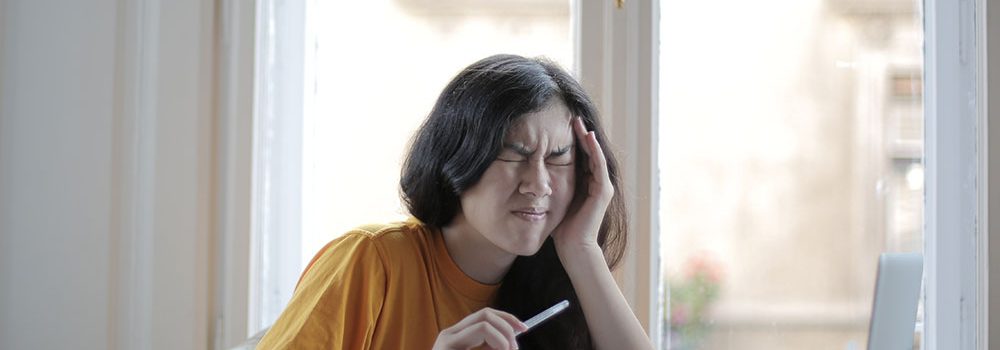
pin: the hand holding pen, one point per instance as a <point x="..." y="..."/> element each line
<point x="494" y="328"/>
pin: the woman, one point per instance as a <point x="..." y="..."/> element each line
<point x="517" y="207"/>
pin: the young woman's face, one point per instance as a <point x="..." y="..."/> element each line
<point x="525" y="192"/>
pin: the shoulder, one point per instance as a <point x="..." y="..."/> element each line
<point x="373" y="244"/>
<point x="390" y="235"/>
<point x="374" y="236"/>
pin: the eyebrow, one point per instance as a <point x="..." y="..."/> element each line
<point x="561" y="151"/>
<point x="519" y="149"/>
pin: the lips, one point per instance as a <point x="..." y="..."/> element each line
<point x="532" y="214"/>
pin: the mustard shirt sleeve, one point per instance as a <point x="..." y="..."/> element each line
<point x="338" y="300"/>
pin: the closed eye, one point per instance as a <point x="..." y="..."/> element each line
<point x="511" y="160"/>
<point x="513" y="153"/>
<point x="511" y="157"/>
<point x="519" y="154"/>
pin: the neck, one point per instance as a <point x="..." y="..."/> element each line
<point x="476" y="256"/>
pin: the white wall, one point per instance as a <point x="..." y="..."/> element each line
<point x="56" y="173"/>
<point x="107" y="146"/>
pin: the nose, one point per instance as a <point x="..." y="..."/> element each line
<point x="535" y="180"/>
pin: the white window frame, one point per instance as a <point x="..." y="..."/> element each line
<point x="235" y="108"/>
<point x="617" y="63"/>
<point x="276" y="222"/>
<point x="953" y="145"/>
<point x="989" y="241"/>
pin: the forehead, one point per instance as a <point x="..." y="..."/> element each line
<point x="551" y="123"/>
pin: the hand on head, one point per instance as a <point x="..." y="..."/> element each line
<point x="582" y="223"/>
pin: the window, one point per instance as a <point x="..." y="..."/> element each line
<point x="347" y="90"/>
<point x="790" y="157"/>
<point x="373" y="72"/>
<point x="736" y="122"/>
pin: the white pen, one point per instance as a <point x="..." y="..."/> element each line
<point x="544" y="315"/>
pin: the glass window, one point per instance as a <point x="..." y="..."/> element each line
<point x="790" y="157"/>
<point x="374" y="70"/>
<point x="369" y="72"/>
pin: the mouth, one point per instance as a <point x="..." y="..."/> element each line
<point x="530" y="214"/>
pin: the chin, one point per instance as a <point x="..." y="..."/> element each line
<point x="529" y="249"/>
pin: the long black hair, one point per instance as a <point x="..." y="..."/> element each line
<point x="459" y="140"/>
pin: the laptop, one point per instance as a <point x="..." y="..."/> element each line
<point x="894" y="309"/>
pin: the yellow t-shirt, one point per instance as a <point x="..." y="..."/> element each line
<point x="378" y="287"/>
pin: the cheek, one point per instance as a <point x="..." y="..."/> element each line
<point x="564" y="186"/>
<point x="491" y="192"/>
<point x="502" y="182"/>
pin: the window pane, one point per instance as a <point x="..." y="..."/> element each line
<point x="790" y="157"/>
<point x="342" y="87"/>
<point x="373" y="71"/>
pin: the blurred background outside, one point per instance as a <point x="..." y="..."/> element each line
<point x="790" y="157"/>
